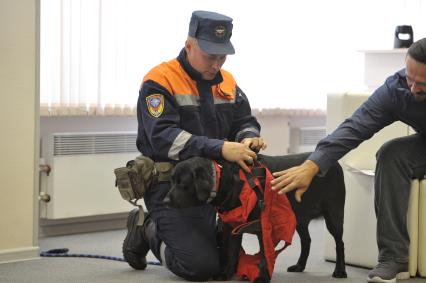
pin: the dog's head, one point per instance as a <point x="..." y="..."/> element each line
<point x="192" y="182"/>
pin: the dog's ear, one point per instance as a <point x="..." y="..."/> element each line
<point x="203" y="184"/>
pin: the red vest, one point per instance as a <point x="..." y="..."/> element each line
<point x="277" y="220"/>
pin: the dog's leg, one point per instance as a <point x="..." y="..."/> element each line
<point x="334" y="215"/>
<point x="334" y="225"/>
<point x="305" y="243"/>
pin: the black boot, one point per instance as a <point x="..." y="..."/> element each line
<point x="135" y="245"/>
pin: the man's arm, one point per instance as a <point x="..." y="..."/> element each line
<point x="369" y="118"/>
<point x="245" y="128"/>
<point x="158" y="113"/>
<point x="161" y="124"/>
<point x="244" y="124"/>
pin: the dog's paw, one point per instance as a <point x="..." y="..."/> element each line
<point x="340" y="274"/>
<point x="296" y="268"/>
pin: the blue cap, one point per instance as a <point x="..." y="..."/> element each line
<point x="213" y="32"/>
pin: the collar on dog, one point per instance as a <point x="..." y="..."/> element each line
<point x="216" y="168"/>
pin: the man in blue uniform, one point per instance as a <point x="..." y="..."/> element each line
<point x="401" y="98"/>
<point x="190" y="106"/>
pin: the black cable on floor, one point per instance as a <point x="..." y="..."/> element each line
<point x="64" y="253"/>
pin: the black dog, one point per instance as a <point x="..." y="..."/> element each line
<point x="193" y="180"/>
<point x="325" y="197"/>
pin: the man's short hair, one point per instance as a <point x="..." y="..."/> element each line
<point x="417" y="51"/>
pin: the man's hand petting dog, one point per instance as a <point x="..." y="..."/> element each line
<point x="297" y="177"/>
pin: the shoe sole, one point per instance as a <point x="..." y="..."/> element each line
<point x="130" y="228"/>
<point x="400" y="276"/>
<point x="132" y="259"/>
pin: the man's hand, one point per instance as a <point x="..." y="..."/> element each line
<point x="255" y="144"/>
<point x="239" y="153"/>
<point x="298" y="177"/>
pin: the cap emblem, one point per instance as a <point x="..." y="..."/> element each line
<point x="220" y="31"/>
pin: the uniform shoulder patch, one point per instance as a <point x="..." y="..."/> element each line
<point x="155" y="104"/>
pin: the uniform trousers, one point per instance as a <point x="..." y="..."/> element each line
<point x="189" y="236"/>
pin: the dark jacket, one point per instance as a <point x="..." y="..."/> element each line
<point x="181" y="115"/>
<point x="391" y="102"/>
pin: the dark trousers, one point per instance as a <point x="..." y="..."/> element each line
<point x="189" y="235"/>
<point x="398" y="162"/>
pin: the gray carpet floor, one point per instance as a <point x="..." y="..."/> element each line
<point x="109" y="243"/>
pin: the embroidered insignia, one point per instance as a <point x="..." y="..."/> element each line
<point x="155" y="104"/>
<point x="220" y="31"/>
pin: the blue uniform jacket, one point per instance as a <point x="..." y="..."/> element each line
<point x="391" y="102"/>
<point x="181" y="115"/>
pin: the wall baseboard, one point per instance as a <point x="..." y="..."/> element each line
<point x="19" y="254"/>
<point x="77" y="225"/>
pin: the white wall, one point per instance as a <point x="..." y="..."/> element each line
<point x="18" y="127"/>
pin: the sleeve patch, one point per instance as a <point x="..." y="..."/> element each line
<point x="155" y="104"/>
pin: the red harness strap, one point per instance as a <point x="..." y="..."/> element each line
<point x="277" y="223"/>
<point x="216" y="171"/>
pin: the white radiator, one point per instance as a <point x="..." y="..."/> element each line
<point x="82" y="181"/>
<point x="305" y="139"/>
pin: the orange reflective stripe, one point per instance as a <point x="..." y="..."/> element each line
<point x="171" y="76"/>
<point x="228" y="87"/>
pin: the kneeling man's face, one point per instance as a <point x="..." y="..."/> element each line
<point x="416" y="78"/>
